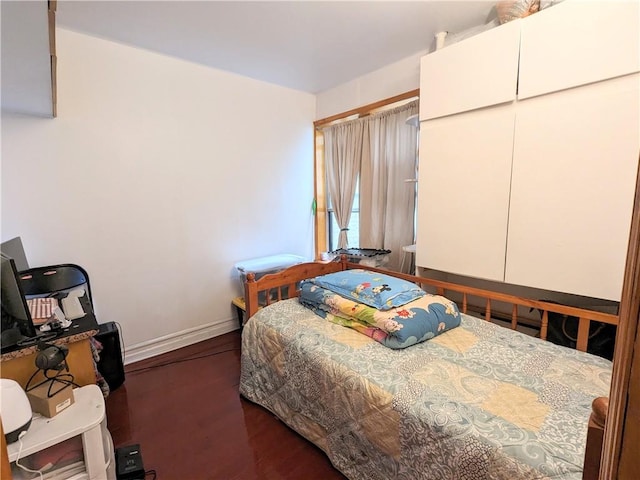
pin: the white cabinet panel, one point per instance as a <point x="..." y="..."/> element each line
<point x="463" y="199"/>
<point x="575" y="150"/>
<point x="578" y="42"/>
<point x="574" y="173"/>
<point x="477" y="72"/>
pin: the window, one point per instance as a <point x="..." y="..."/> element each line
<point x="354" y="224"/>
<point x="326" y="228"/>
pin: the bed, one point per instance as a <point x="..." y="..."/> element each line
<point x="478" y="401"/>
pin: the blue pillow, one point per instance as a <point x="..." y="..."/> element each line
<point x="374" y="289"/>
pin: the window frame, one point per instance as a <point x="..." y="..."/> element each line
<point x="322" y="216"/>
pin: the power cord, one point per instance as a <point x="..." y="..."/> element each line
<point x="173" y="362"/>
<point x="150" y="472"/>
<point x="120" y="332"/>
<point x="142" y="369"/>
<point x="26" y="469"/>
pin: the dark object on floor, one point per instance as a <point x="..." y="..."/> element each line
<point x="129" y="463"/>
<point x="563" y="330"/>
<point x="110" y="365"/>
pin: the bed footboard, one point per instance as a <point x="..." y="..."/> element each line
<point x="595" y="434"/>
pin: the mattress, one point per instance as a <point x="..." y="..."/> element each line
<point x="479" y="401"/>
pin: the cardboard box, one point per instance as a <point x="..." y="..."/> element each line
<point x="50" y="406"/>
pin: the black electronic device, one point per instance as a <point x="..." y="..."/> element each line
<point x="16" y="324"/>
<point x="563" y="330"/>
<point x="110" y="365"/>
<point x="52" y="357"/>
<point x="129" y="464"/>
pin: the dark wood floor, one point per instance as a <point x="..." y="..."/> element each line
<point x="184" y="410"/>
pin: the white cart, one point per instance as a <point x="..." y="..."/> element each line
<point x="86" y="417"/>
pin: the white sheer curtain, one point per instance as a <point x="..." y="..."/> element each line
<point x="387" y="201"/>
<point x="343" y="157"/>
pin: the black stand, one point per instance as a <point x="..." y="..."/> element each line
<point x="64" y="379"/>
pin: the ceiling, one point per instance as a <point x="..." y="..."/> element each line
<point x="304" y="45"/>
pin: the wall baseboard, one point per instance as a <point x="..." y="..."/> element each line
<point x="168" y="343"/>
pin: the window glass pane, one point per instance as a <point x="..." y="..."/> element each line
<point x="353" y="235"/>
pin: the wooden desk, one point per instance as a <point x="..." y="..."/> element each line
<point x="79" y="359"/>
<point x="5" y="466"/>
<point x="241" y="309"/>
<point x="20" y="364"/>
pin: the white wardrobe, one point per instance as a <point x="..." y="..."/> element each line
<point x="529" y="147"/>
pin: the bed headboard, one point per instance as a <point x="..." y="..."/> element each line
<point x="285" y="284"/>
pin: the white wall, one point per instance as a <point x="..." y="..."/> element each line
<point x="394" y="79"/>
<point x="157" y="176"/>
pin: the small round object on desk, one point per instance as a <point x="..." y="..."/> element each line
<point x="14" y="408"/>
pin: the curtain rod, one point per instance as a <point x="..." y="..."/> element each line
<point x="367" y="108"/>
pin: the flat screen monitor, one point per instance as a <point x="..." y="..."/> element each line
<point x="16" y="319"/>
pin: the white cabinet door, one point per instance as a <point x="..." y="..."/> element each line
<point x="475" y="73"/>
<point x="463" y="198"/>
<point x="574" y="173"/>
<point x="578" y="42"/>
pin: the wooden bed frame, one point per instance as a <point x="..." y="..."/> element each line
<point x="285" y="284"/>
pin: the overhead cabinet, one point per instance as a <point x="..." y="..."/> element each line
<point x="478" y="72"/>
<point x="535" y="188"/>
<point x="578" y="42"/>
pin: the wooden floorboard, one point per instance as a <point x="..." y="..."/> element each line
<point x="184" y="410"/>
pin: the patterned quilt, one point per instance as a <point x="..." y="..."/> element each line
<point x="477" y="402"/>
<point x="397" y="327"/>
